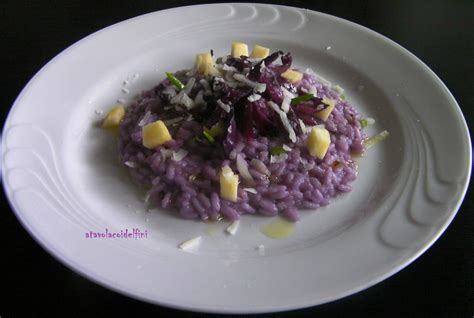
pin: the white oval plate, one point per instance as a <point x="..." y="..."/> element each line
<point x="62" y="178"/>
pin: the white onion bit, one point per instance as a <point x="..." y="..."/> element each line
<point x="287" y="97"/>
<point x="199" y="100"/>
<point x="229" y="68"/>
<point x="130" y="164"/>
<point x="243" y="168"/>
<point x="284" y="120"/>
<point x="144" y="120"/>
<point x="278" y="158"/>
<point x="254" y="97"/>
<point x="189" y="244"/>
<point x="302" y="126"/>
<point x="233" y="154"/>
<point x="189" y="85"/>
<point x="205" y="84"/>
<point x="179" y="155"/>
<point x="224" y="106"/>
<point x="166" y="153"/>
<point x="259" y="87"/>
<point x="233" y="227"/>
<point x="182" y="99"/>
<point x="260" y="166"/>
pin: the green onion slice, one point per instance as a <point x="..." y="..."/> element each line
<point x="176" y="82"/>
<point x="372" y="141"/>
<point x="300" y="99"/>
<point x="278" y="150"/>
<point x="208" y="136"/>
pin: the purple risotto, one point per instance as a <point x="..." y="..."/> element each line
<point x="240" y="134"/>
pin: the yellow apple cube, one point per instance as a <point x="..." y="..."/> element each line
<point x="155" y="134"/>
<point x="114" y="117"/>
<point x="198" y="62"/>
<point x="229" y="184"/>
<point x="318" y="142"/>
<point x="292" y="76"/>
<point x="324" y="114"/>
<point x="204" y="63"/>
<point x="239" y="49"/>
<point x="260" y="52"/>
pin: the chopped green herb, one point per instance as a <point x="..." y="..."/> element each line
<point x="176" y="82"/>
<point x="366" y="122"/>
<point x="208" y="136"/>
<point x="300" y="99"/>
<point x="276" y="151"/>
<point x="343" y="97"/>
<point x="376" y="139"/>
<point x="208" y="131"/>
<point x="215" y="130"/>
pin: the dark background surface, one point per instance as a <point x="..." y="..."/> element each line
<point x="439" y="284"/>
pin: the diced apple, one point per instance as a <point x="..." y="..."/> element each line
<point x="324" y="114"/>
<point x="292" y="76"/>
<point x="114" y="117"/>
<point x="229" y="184"/>
<point x="260" y="52"/>
<point x="318" y="142"/>
<point x="239" y="49"/>
<point x="205" y="64"/>
<point x="155" y="134"/>
<point x="198" y="61"/>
